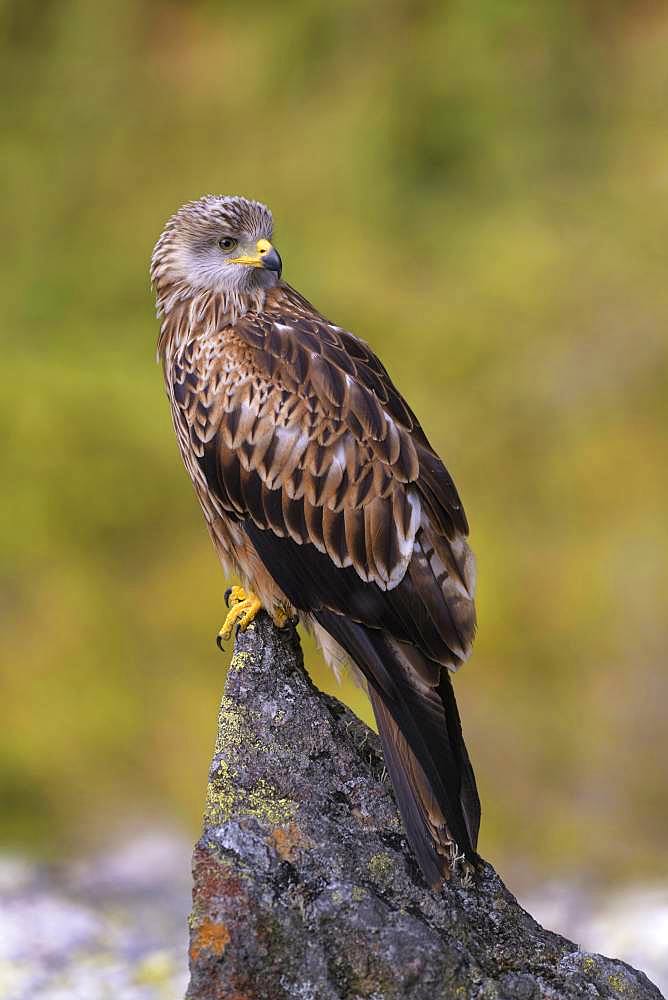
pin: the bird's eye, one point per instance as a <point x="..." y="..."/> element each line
<point x="227" y="243"/>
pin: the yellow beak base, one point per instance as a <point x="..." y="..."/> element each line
<point x="267" y="257"/>
<point x="263" y="248"/>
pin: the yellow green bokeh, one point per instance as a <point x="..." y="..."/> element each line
<point x="479" y="190"/>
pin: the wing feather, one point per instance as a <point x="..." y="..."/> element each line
<point x="304" y="441"/>
<point x="272" y="503"/>
<point x="304" y="433"/>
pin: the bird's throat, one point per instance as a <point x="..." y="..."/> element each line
<point x="188" y="313"/>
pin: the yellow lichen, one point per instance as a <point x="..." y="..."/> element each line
<point x="231" y="725"/>
<point x="220" y="796"/>
<point x="264" y="803"/>
<point x="358" y="893"/>
<point x="240" y="660"/>
<point x="234" y="730"/>
<point x="617" y="983"/>
<point x="380" y="866"/>
<point x="224" y="799"/>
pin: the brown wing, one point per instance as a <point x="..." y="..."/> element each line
<point x="298" y="429"/>
<point x="319" y="434"/>
<point x="304" y="440"/>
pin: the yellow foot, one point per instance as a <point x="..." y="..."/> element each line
<point x="243" y="609"/>
<point x="282" y="618"/>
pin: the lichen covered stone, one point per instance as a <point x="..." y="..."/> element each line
<point x="305" y="887"/>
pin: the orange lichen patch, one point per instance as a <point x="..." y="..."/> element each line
<point x="287" y="841"/>
<point x="209" y="936"/>
<point x="212" y="879"/>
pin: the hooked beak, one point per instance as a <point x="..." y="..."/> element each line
<point x="267" y="257"/>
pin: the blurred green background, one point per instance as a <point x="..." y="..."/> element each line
<point x="479" y="190"/>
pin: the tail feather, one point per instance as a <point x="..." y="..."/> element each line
<point x="424" y="749"/>
<point x="468" y="792"/>
<point x="425" y="825"/>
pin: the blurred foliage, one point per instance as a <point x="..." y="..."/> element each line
<point x="480" y="190"/>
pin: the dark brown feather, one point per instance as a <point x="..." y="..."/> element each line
<point x="293" y="431"/>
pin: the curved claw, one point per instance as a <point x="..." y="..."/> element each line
<point x="226" y="596"/>
<point x="219" y="642"/>
<point x="244" y="607"/>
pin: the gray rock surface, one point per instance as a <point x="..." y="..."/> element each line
<point x="304" y="885"/>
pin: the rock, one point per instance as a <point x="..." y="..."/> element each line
<point x="304" y="884"/>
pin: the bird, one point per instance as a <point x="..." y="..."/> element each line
<point x="322" y="494"/>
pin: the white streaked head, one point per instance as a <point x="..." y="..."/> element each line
<point x="217" y="243"/>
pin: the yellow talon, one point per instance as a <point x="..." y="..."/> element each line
<point x="244" y="606"/>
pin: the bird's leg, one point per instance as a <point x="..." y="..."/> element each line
<point x="244" y="606"/>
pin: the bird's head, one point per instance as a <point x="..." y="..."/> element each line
<point x="217" y="243"/>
